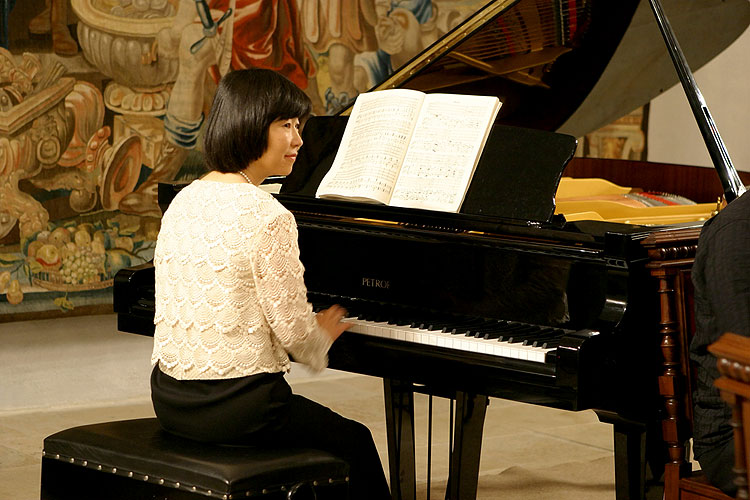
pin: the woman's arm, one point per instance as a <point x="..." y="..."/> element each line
<point x="282" y="295"/>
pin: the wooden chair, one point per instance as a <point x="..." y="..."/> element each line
<point x="733" y="357"/>
<point x="732" y="352"/>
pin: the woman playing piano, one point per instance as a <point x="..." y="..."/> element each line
<point x="231" y="304"/>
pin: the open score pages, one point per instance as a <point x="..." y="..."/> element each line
<point x="406" y="148"/>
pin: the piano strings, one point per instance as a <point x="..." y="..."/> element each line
<point x="526" y="27"/>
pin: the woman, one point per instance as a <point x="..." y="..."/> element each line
<point x="231" y="302"/>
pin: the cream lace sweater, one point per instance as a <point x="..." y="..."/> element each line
<point x="230" y="295"/>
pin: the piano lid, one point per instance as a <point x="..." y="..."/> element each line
<point x="570" y="66"/>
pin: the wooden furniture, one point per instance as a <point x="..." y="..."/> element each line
<point x="671" y="258"/>
<point x="732" y="352"/>
<point x="696" y="487"/>
<point x="131" y="459"/>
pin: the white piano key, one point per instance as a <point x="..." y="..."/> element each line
<point x="448" y="340"/>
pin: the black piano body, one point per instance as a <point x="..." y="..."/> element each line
<point x="504" y="257"/>
<point x="506" y="260"/>
<point x="576" y="287"/>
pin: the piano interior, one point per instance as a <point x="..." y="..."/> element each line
<point x="600" y="199"/>
<point x="519" y="45"/>
<point x="540" y="57"/>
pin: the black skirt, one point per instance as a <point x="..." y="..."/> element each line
<point x="243" y="411"/>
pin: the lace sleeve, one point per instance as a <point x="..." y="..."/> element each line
<point x="282" y="293"/>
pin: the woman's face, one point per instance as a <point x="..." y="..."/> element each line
<point x="283" y="142"/>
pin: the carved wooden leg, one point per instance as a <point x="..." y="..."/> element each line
<point x="740" y="467"/>
<point x="740" y="406"/>
<point x="671" y="388"/>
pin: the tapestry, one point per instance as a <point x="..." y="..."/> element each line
<point x="101" y="100"/>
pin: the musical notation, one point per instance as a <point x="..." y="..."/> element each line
<point x="442" y="154"/>
<point x="378" y="137"/>
<point x="402" y="146"/>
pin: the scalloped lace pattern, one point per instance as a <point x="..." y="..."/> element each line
<point x="230" y="296"/>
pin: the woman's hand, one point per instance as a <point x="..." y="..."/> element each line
<point x="330" y="320"/>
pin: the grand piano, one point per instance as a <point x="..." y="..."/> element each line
<point x="511" y="298"/>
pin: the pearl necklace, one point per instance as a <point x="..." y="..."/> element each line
<point x="245" y="176"/>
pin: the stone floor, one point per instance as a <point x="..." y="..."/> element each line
<point x="527" y="451"/>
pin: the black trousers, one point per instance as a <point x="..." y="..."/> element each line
<point x="261" y="410"/>
<point x="318" y="427"/>
<point x="716" y="464"/>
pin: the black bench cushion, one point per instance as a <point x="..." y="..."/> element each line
<point x="139" y="448"/>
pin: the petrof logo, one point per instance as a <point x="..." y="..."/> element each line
<point x="375" y="283"/>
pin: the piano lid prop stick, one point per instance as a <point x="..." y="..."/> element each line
<point x="730" y="180"/>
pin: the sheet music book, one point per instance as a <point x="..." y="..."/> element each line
<point x="405" y="148"/>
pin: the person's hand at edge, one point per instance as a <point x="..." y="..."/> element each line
<point x="330" y="320"/>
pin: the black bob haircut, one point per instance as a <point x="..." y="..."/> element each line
<point x="246" y="102"/>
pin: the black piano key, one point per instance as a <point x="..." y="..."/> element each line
<point x="478" y="328"/>
<point x="518" y="331"/>
<point x="550" y="339"/>
<point x="435" y="326"/>
<point x="375" y="317"/>
<point x="535" y="337"/>
<point x="441" y="323"/>
<point x="524" y="338"/>
<point x="492" y="335"/>
<point x="504" y="334"/>
<point x="405" y="320"/>
<point x="547" y="344"/>
<point x="550" y="334"/>
<point x="525" y="334"/>
<point x="461" y="326"/>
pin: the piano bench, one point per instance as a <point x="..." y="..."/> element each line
<point x="131" y="459"/>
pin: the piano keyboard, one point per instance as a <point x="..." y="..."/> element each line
<point x="498" y="338"/>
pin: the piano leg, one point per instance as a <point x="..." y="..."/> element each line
<point x="467" y="441"/>
<point x="399" y="422"/>
<point x="467" y="445"/>
<point x="630" y="456"/>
